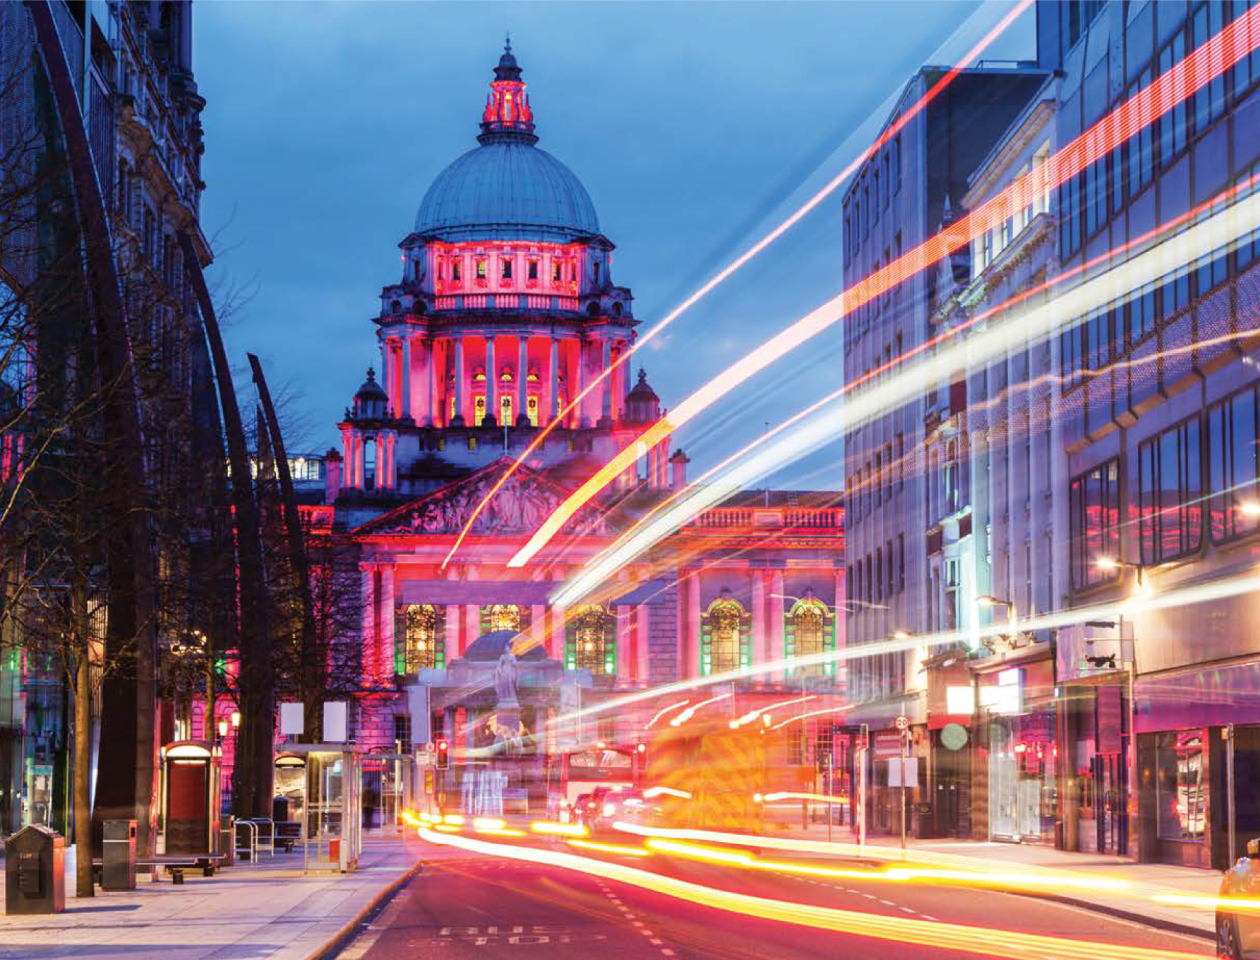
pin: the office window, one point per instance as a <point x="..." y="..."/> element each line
<point x="878" y="203"/>
<point x="1094" y="516"/>
<point x="1172" y="125"/>
<point x="1141" y="314"/>
<point x="506" y="267"/>
<point x="1213" y="270"/>
<point x="901" y="459"/>
<point x="884" y="197"/>
<point x="1246" y="70"/>
<point x="1175" y="294"/>
<point x="895" y="151"/>
<point x="1232" y="469"/>
<point x="1141" y="144"/>
<point x="1170" y="491"/>
<point x="1071" y="348"/>
<point x="1069" y="216"/>
<point x="879" y="574"/>
<point x="901" y="562"/>
<point x="1209" y="101"/>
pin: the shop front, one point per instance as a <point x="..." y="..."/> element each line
<point x="1198" y="743"/>
<point x="1017" y="755"/>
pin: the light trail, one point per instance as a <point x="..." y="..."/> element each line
<point x="664" y="710"/>
<point x="651" y="793"/>
<point x="788" y="795"/>
<point x="558" y="829"/>
<point x="812" y="713"/>
<point x="938" y="935"/>
<point x="752" y="715"/>
<point x="726" y="272"/>
<point x="1166" y="226"/>
<point x="690" y="712"/>
<point x="1167" y="91"/>
<point x="1183" y="596"/>
<point x="1225" y="904"/>
<point x="1181" y="250"/>
<point x="614" y="848"/>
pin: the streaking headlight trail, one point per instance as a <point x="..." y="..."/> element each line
<point x="1167" y="91"/>
<point x="730" y="269"/>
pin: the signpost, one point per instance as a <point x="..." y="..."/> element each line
<point x="902" y="723"/>
<point x="862" y="748"/>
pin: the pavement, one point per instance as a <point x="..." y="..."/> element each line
<point x="1148" y="879"/>
<point x="269" y="910"/>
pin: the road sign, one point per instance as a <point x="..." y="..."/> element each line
<point x="430" y="747"/>
<point x="902" y="722"/>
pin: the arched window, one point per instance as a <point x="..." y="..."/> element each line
<point x="724" y="637"/>
<point x="810" y="629"/>
<point x="591" y="641"/>
<point x="503" y="616"/>
<point x="419" y="638"/>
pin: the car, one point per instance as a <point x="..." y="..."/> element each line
<point x="1238" y="934"/>
<point x="627" y="806"/>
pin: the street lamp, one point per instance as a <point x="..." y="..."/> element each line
<point x="1250" y="508"/>
<point x="1109" y="564"/>
<point x="989" y="601"/>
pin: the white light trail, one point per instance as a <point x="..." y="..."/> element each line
<point x="842" y="414"/>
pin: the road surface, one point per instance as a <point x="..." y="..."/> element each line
<point x="467" y="906"/>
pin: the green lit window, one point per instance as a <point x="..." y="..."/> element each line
<point x="590" y="641"/>
<point x="725" y="641"/>
<point x="809" y="628"/>
<point x="419" y="638"/>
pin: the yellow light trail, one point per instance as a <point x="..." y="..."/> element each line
<point x="690" y="712"/>
<point x="1169" y="89"/>
<point x="812" y="713"/>
<point x="615" y="848"/>
<point x="652" y="793"/>
<point x="1226" y="904"/>
<point x="664" y="710"/>
<point x="1011" y="944"/>
<point x="726" y="272"/>
<point x="752" y="715"/>
<point x="558" y="829"/>
<point x="788" y="795"/>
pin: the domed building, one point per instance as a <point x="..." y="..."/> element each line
<point x="506" y="311"/>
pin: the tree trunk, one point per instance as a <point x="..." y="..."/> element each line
<point x="82" y="660"/>
<point x="82" y="775"/>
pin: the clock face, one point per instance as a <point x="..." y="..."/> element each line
<point x="953" y="736"/>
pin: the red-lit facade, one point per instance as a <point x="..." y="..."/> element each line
<point x="505" y="311"/>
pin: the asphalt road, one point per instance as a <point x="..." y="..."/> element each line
<point x="468" y="906"/>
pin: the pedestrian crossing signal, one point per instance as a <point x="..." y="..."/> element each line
<point x="443" y="754"/>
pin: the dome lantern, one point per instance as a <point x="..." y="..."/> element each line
<point x="507" y="114"/>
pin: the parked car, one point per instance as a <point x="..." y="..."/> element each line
<point x="1238" y="933"/>
<point x="627" y="806"/>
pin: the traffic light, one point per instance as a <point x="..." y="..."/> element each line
<point x="443" y="753"/>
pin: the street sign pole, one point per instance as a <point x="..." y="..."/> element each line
<point x="863" y="747"/>
<point x="903" y="725"/>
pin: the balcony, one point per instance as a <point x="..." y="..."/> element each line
<point x="506" y="303"/>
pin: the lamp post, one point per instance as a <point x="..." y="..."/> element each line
<point x="1011" y="620"/>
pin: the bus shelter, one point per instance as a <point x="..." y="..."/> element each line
<point x="331" y="803"/>
<point x="190" y="799"/>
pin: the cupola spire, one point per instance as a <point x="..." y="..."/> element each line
<point x="507" y="115"/>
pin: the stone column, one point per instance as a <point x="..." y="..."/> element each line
<point x="624" y="653"/>
<point x="555" y="646"/>
<point x="538" y="625"/>
<point x="359" y="473"/>
<point x="605" y="390"/>
<point x="693" y="624"/>
<point x="385" y="655"/>
<point x="842" y="669"/>
<point x="391" y="475"/>
<point x="522" y="382"/>
<point x="369" y="599"/>
<point x="643" y="671"/>
<point x="553" y="400"/>
<point x="582" y="419"/>
<point x="761" y="642"/>
<point x="776" y="617"/>
<point x="405" y="392"/>
<point x="458" y="420"/>
<point x="433" y="410"/>
<point x="492" y="383"/>
<point x="347" y="457"/>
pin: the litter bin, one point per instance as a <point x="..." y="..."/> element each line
<point x="227" y="840"/>
<point x="118" y="855"/>
<point x="35" y="871"/>
<point x="924" y="826"/>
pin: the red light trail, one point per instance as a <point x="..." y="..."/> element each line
<point x="1171" y="88"/>
<point x="726" y="272"/>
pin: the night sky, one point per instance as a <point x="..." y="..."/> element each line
<point x="689" y="124"/>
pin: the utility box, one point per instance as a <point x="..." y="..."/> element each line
<point x="118" y="855"/>
<point x="35" y="871"/>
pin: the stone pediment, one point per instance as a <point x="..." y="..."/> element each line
<point x="520" y="506"/>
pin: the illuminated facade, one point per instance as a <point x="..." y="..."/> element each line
<point x="506" y="310"/>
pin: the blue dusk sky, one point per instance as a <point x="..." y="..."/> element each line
<point x="691" y="125"/>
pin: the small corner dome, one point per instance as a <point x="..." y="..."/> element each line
<point x="371" y="390"/>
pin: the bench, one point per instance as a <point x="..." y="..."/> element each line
<point x="175" y="865"/>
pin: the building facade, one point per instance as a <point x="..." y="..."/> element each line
<point x="506" y="311"/>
